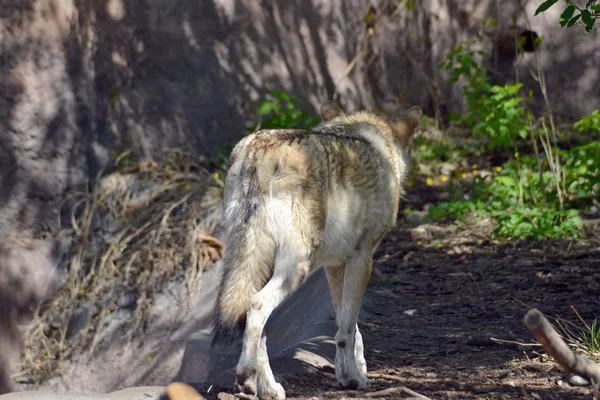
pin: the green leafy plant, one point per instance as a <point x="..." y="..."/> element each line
<point x="589" y="123"/>
<point x="582" y="174"/>
<point x="428" y="151"/>
<point x="505" y="117"/>
<point x="459" y="209"/>
<point x="573" y="13"/>
<point x="537" y="223"/>
<point x="524" y="203"/>
<point x="494" y="112"/>
<point x="529" y="196"/>
<point x="280" y="111"/>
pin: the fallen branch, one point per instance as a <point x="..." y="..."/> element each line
<point x="394" y="390"/>
<point x="374" y="375"/>
<point x="556" y="347"/>
<point x="515" y="342"/>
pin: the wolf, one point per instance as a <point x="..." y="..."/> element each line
<point x="295" y="199"/>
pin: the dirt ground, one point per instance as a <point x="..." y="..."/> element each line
<point x="440" y="293"/>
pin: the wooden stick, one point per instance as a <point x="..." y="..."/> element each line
<point x="374" y="375"/>
<point x="555" y="346"/>
<point x="394" y="390"/>
<point x="415" y="394"/>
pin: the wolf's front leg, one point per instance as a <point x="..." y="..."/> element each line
<point x="335" y="279"/>
<point x="356" y="277"/>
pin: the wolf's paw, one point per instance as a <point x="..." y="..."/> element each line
<point x="275" y="392"/>
<point x="245" y="385"/>
<point x="352" y="381"/>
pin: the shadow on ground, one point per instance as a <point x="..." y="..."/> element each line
<point x="438" y="299"/>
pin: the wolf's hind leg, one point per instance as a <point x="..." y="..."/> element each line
<point x="291" y="267"/>
<point x="268" y="388"/>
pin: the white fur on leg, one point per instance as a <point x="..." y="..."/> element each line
<point x="346" y="370"/>
<point x="268" y="388"/>
<point x="356" y="276"/>
<point x="253" y="370"/>
<point x="261" y="306"/>
<point x="359" y="353"/>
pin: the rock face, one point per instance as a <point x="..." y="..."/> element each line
<point x="81" y="79"/>
<point x="27" y="272"/>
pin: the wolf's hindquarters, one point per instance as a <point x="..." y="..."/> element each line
<point x="247" y="267"/>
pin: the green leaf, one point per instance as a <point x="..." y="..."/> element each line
<point x="566" y="15"/>
<point x="523" y="133"/>
<point x="506" y="180"/>
<point x="545" y="5"/>
<point x="573" y="20"/>
<point x="265" y="108"/>
<point x="283" y="96"/>
<point x="588" y="20"/>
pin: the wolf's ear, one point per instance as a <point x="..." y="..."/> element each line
<point x="406" y="125"/>
<point x="330" y="111"/>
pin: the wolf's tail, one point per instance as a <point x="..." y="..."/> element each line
<point x="247" y="267"/>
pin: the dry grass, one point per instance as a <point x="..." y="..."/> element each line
<point x="582" y="338"/>
<point x="142" y="226"/>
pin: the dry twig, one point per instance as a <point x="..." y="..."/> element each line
<point x="555" y="346"/>
<point x="395" y="390"/>
<point x="374" y="375"/>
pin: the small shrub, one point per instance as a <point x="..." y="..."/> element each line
<point x="537" y="223"/>
<point x="493" y="112"/>
<point x="280" y="111"/>
<point x="582" y="173"/>
<point x="522" y="206"/>
<point x="529" y="197"/>
<point x="428" y="151"/>
<point x="459" y="209"/>
<point x="589" y="123"/>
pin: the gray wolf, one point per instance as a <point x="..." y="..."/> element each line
<point x="295" y="199"/>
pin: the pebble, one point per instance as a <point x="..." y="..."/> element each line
<point x="577" y="380"/>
